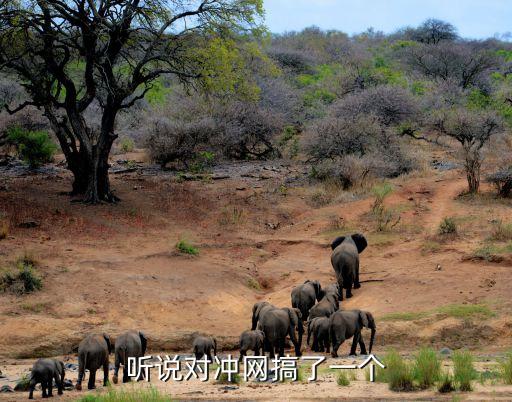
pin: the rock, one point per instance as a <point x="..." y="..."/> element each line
<point x="71" y="366"/>
<point x="445" y="351"/>
<point x="439" y="267"/>
<point x="28" y="224"/>
<point x="229" y="388"/>
<point x="6" y="389"/>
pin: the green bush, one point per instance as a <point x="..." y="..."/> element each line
<point x="186" y="248"/>
<point x="34" y="147"/>
<point x="506" y="369"/>
<point x="447" y="226"/>
<point x="427" y="368"/>
<point x="398" y="373"/>
<point x="127" y="395"/>
<point x="463" y="370"/>
<point x="342" y="379"/>
<point x="22" y="279"/>
<point x="127" y="144"/>
<point x="445" y="383"/>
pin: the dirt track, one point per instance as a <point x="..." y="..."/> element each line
<point x="111" y="268"/>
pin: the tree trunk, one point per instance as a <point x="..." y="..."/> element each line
<point x="98" y="183"/>
<point x="473" y="171"/>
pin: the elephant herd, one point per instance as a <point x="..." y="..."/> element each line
<point x="327" y="324"/>
<point x="328" y="327"/>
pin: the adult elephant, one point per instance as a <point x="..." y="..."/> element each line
<point x="128" y="344"/>
<point x="305" y="296"/>
<point x="347" y="324"/>
<point x="345" y="260"/>
<point x="93" y="353"/>
<point x="258" y="310"/>
<point x="278" y="323"/>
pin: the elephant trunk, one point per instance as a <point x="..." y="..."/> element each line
<point x="371" y="340"/>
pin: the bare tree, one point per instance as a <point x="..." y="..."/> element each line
<point x="433" y="31"/>
<point x="472" y="130"/>
<point x="73" y="54"/>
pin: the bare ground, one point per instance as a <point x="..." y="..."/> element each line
<point x="259" y="233"/>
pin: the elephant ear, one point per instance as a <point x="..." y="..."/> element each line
<point x="109" y="345"/>
<point x="143" y="342"/>
<point x="364" y="319"/>
<point x="360" y="242"/>
<point x="337" y="241"/>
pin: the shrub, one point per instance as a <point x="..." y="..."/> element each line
<point x="445" y="383"/>
<point x="502" y="181"/>
<point x="463" y="370"/>
<point x="127" y="395"/>
<point x="397" y="374"/>
<point x="506" y="369"/>
<point x="22" y="279"/>
<point x="186" y="248"/>
<point x="385" y="217"/>
<point x="127" y="144"/>
<point x="427" y="367"/>
<point x="224" y="379"/>
<point x="342" y="379"/>
<point x="34" y="147"/>
<point x="501" y="231"/>
<point x="447" y="226"/>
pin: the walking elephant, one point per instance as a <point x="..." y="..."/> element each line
<point x="345" y="261"/>
<point x="319" y="328"/>
<point x="277" y="323"/>
<point x="305" y="296"/>
<point x="251" y="340"/>
<point x="203" y="346"/>
<point x="347" y="324"/>
<point x="93" y="353"/>
<point x="128" y="344"/>
<point x="44" y="372"/>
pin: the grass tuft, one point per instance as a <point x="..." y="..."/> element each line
<point x="21" y="279"/>
<point x="223" y="378"/>
<point x="4" y="230"/>
<point x="466" y="311"/>
<point x="445" y="383"/>
<point x="427" y="368"/>
<point x="342" y="379"/>
<point x="127" y="395"/>
<point x="506" y="369"/>
<point x="501" y="231"/>
<point x="463" y="370"/>
<point x="398" y="373"/>
<point x="186" y="248"/>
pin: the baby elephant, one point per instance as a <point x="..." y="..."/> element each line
<point x="128" y="344"/>
<point x="203" y="345"/>
<point x="319" y="328"/>
<point x="344" y="325"/>
<point x="45" y="371"/>
<point x="251" y="340"/>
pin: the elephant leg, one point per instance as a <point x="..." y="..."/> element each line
<point x="355" y="341"/>
<point x="209" y="356"/>
<point x="31" y="388"/>
<point x="59" y="383"/>
<point x="327" y="344"/>
<point x="267" y="347"/>
<point x="81" y="372"/>
<point x="242" y="354"/>
<point x="44" y="386"/>
<point x="335" y="346"/>
<point x="281" y="347"/>
<point x="362" y="346"/>
<point x="125" y="374"/>
<point x="357" y="285"/>
<point x="117" y="364"/>
<point x="92" y="379"/>
<point x="348" y="290"/>
<point x="50" y="387"/>
<point x="105" y="372"/>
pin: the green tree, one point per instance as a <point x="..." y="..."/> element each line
<point x="75" y="56"/>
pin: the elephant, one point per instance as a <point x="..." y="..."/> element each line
<point x="203" y="345"/>
<point x="349" y="323"/>
<point x="93" y="353"/>
<point x="258" y="310"/>
<point x="251" y="340"/>
<point x="305" y="296"/>
<point x="329" y="303"/>
<point x="319" y="328"/>
<point x="128" y="344"/>
<point x="45" y="371"/>
<point x="277" y="323"/>
<point x="345" y="261"/>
